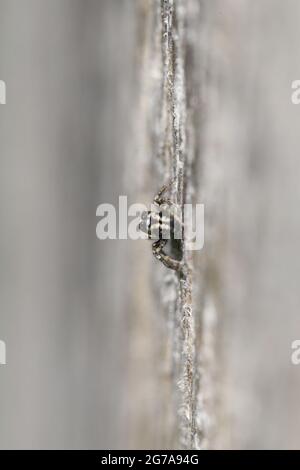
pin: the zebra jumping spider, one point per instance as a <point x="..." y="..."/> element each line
<point x="163" y="226"/>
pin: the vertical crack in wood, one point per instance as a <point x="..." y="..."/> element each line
<point x="173" y="14"/>
<point x="168" y="128"/>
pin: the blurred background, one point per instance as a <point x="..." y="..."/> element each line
<point x="76" y="313"/>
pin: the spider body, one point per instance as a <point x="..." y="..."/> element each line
<point x="162" y="226"/>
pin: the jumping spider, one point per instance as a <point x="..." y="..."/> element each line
<point x="163" y="226"/>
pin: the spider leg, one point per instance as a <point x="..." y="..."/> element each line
<point x="159" y="199"/>
<point x="171" y="263"/>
